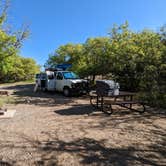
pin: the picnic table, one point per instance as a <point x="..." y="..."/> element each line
<point x="123" y="99"/>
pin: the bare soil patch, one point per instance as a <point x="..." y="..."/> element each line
<point x="49" y="129"/>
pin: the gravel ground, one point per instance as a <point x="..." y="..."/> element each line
<point x="49" y="129"/>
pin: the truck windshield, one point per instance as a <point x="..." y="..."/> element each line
<point x="70" y="75"/>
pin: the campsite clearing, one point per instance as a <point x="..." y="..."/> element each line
<point x="50" y="129"/>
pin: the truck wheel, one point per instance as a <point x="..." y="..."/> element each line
<point x="66" y="92"/>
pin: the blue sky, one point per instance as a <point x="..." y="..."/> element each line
<point x="56" y="22"/>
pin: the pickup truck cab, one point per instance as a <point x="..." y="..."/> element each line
<point x="69" y="83"/>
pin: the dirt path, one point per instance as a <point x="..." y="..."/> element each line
<point x="49" y="129"/>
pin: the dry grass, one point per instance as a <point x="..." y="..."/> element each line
<point x="6" y="100"/>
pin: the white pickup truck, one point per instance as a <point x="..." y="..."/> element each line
<point x="63" y="81"/>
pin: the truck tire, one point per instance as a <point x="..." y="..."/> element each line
<point x="66" y="91"/>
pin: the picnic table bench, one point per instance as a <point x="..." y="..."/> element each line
<point x="123" y="99"/>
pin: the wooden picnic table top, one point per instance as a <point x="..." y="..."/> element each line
<point x="121" y="94"/>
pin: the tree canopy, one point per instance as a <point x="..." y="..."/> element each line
<point x="13" y="67"/>
<point x="137" y="60"/>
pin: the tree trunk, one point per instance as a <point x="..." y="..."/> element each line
<point x="93" y="78"/>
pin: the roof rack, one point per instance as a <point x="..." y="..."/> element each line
<point x="53" y="69"/>
<point x="59" y="67"/>
<point x="63" y="66"/>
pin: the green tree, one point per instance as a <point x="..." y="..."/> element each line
<point x="12" y="66"/>
<point x="137" y="60"/>
<point x="97" y="56"/>
<point x="69" y="53"/>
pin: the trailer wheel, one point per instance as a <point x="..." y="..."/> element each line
<point x="66" y="91"/>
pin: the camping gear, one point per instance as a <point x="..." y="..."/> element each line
<point x="107" y="87"/>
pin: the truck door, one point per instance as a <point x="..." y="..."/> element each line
<point x="59" y="81"/>
<point x="51" y="84"/>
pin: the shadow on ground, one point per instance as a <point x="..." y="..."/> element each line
<point x="92" y="152"/>
<point x="88" y="151"/>
<point x="123" y="116"/>
<point x="25" y="95"/>
<point x="76" y="110"/>
<point x="119" y="113"/>
<point x="97" y="152"/>
<point x="2" y="163"/>
<point x="27" y="90"/>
